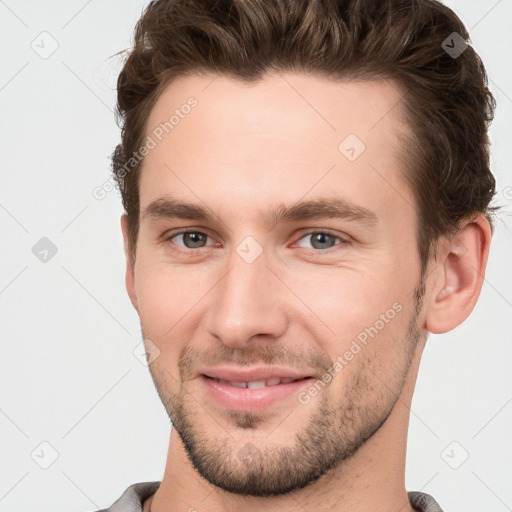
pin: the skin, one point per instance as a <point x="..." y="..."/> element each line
<point x="242" y="151"/>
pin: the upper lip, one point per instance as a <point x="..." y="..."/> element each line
<point x="234" y="374"/>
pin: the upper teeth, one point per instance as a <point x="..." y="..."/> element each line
<point x="273" y="381"/>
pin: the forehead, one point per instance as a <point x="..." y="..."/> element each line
<point x="284" y="137"/>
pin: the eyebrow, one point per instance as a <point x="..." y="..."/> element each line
<point x="324" y="208"/>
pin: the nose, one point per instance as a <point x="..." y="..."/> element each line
<point x="248" y="301"/>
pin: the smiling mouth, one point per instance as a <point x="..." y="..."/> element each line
<point x="257" y="384"/>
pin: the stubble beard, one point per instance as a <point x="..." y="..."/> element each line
<point x="334" y="432"/>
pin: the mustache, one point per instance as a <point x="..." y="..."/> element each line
<point x="268" y="355"/>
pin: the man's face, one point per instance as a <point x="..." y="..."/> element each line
<point x="251" y="289"/>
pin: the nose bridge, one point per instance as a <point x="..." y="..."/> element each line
<point x="246" y="302"/>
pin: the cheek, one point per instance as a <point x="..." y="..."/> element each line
<point x="164" y="296"/>
<point x="166" y="311"/>
<point x="348" y="303"/>
<point x="369" y="353"/>
<point x="367" y="337"/>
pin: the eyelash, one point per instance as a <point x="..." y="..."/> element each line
<point x="186" y="250"/>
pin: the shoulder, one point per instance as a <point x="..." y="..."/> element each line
<point x="133" y="497"/>
<point x="423" y="502"/>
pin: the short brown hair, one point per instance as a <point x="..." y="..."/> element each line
<point x="446" y="102"/>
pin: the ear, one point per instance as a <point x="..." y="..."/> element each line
<point x="130" y="275"/>
<point x="460" y="275"/>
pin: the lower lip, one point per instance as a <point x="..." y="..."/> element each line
<point x="253" y="400"/>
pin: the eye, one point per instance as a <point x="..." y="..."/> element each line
<point x="320" y="240"/>
<point x="189" y="239"/>
<point x="186" y="241"/>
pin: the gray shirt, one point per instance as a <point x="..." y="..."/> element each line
<point x="133" y="499"/>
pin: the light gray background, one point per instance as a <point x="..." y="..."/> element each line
<point x="68" y="374"/>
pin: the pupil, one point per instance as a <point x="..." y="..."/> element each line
<point x="193" y="239"/>
<point x="320" y="238"/>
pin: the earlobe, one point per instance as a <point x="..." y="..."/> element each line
<point x="461" y="270"/>
<point x="130" y="272"/>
